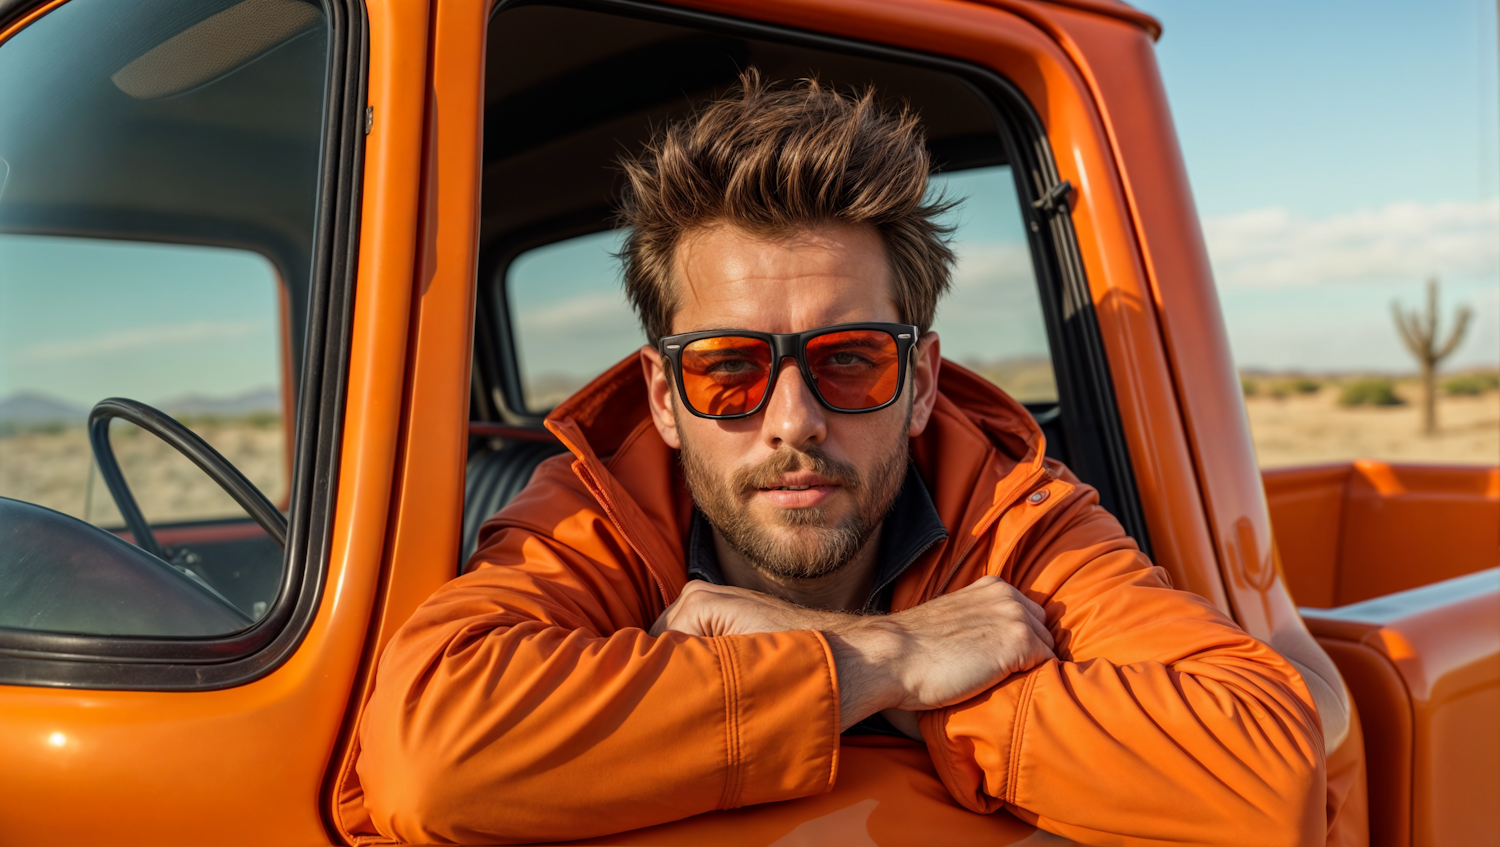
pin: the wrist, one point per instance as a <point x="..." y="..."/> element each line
<point x="865" y="652"/>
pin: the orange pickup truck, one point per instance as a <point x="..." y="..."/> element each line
<point x="406" y="206"/>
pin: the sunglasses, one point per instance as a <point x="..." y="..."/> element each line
<point x="851" y="368"/>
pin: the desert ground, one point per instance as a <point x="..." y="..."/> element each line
<point x="1312" y="428"/>
<point x="56" y="469"/>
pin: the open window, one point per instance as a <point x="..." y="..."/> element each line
<point x="569" y="88"/>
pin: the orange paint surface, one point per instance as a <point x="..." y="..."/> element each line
<point x="1426" y="677"/>
<point x="1351" y="532"/>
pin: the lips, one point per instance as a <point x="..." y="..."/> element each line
<point x="793" y="479"/>
<point x="799" y="481"/>
<point x="798" y="490"/>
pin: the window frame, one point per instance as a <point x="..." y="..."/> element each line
<point x="1085" y="414"/>
<point x="52" y="659"/>
<point x="493" y="316"/>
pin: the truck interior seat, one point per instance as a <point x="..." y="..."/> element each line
<point x="492" y="478"/>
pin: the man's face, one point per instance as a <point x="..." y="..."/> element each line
<point x="795" y="488"/>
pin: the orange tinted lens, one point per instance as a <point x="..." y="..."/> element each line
<point x="726" y="375"/>
<point x="855" y="369"/>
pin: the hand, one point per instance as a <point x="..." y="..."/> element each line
<point x="958" y="645"/>
<point x="706" y="609"/>
<point x="936" y="654"/>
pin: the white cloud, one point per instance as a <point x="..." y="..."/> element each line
<point x="132" y="340"/>
<point x="1402" y="241"/>
<point x="584" y="312"/>
<point x="992" y="264"/>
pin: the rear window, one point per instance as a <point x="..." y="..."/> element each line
<point x="571" y="320"/>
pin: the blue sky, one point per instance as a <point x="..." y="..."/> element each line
<point x="1339" y="153"/>
<point x="85" y="319"/>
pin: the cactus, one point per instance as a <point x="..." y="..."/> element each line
<point x="1420" y="333"/>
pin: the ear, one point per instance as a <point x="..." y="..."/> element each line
<point x="659" y="395"/>
<point x="926" y="362"/>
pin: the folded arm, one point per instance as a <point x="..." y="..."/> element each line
<point x="938" y="653"/>
<point x="1161" y="722"/>
<point x="528" y="703"/>
<point x="1156" y="719"/>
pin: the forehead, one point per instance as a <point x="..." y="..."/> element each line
<point x="730" y="278"/>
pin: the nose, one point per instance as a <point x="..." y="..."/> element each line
<point x="793" y="415"/>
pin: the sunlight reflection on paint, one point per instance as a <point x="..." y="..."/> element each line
<point x="57" y="739"/>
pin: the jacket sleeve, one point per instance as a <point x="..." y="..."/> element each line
<point x="525" y="702"/>
<point x="1160" y="721"/>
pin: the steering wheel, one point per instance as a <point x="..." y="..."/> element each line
<point x="189" y="444"/>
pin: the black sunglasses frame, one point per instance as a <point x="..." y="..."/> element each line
<point x="791" y="345"/>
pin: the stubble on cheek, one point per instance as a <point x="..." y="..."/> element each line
<point x="794" y="543"/>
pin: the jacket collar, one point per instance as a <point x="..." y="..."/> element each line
<point x="980" y="452"/>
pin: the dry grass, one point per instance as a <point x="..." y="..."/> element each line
<point x="1027" y="380"/>
<point x="1312" y="428"/>
<point x="56" y="470"/>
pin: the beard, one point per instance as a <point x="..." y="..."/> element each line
<point x="796" y="543"/>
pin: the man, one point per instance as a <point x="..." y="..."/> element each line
<point x="787" y="519"/>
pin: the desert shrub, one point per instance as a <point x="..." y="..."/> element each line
<point x="1249" y="386"/>
<point x="1304" y="385"/>
<point x="1374" y="391"/>
<point x="202" y="421"/>
<point x="10" y="428"/>
<point x="1470" y="385"/>
<point x="263" y="420"/>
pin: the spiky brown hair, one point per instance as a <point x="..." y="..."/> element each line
<point x="777" y="159"/>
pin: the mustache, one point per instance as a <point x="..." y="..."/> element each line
<point x="786" y="460"/>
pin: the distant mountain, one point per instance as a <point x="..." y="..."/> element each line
<point x="256" y="400"/>
<point x="31" y="407"/>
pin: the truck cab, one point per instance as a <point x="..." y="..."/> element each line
<point x="309" y="275"/>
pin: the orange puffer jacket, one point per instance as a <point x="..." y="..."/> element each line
<point x="525" y="702"/>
